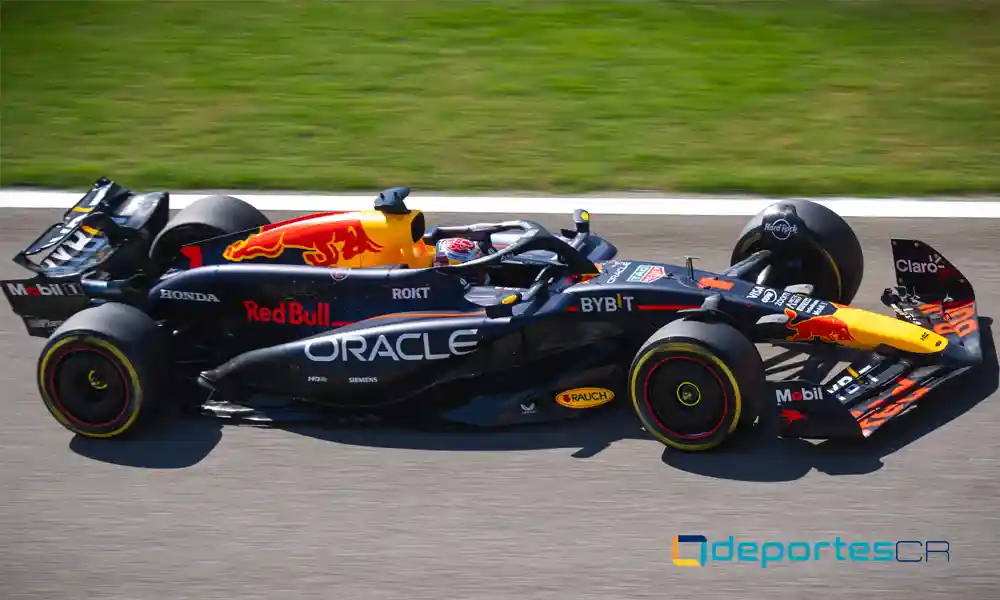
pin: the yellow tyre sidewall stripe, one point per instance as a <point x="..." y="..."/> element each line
<point x="135" y="400"/>
<point x="699" y="351"/>
<point x="836" y="269"/>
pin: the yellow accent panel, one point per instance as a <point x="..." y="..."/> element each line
<point x="870" y="329"/>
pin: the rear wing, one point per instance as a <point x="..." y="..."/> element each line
<point x="878" y="387"/>
<point x="106" y="231"/>
<point x="93" y="230"/>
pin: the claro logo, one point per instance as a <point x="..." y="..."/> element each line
<point x="585" y="397"/>
<point x="933" y="265"/>
<point x="405" y="347"/>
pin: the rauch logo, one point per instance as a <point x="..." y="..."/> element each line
<point x="729" y="550"/>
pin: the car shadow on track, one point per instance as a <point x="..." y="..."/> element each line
<point x="183" y="442"/>
<point x="761" y="456"/>
<point x="174" y="444"/>
<point x="589" y="435"/>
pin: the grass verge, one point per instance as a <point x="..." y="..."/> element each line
<point x="788" y="97"/>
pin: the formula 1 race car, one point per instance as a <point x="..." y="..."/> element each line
<point x="349" y="313"/>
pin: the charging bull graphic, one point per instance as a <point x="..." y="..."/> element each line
<point x="827" y="328"/>
<point x="324" y="245"/>
<point x="791" y="416"/>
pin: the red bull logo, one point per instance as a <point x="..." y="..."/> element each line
<point x="827" y="328"/>
<point x="791" y="416"/>
<point x="324" y="244"/>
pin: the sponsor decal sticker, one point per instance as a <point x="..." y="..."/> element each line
<point x="362" y="380"/>
<point x="411" y="293"/>
<point x="932" y="265"/>
<point x="781" y="229"/>
<point x="794" y="301"/>
<point x="78" y="243"/>
<point x="850" y="380"/>
<point x="196" y="296"/>
<point x="620" y="267"/>
<point x="647" y="274"/>
<point x="790" y="416"/>
<point x="826" y="328"/>
<point x="585" y="397"/>
<point x="317" y="379"/>
<point x="806" y="394"/>
<point x="291" y="313"/>
<point x="960" y="320"/>
<point x="765" y="295"/>
<point x="606" y="304"/>
<point x="402" y="347"/>
<point x="528" y="409"/>
<point x="324" y="244"/>
<point x="45" y="289"/>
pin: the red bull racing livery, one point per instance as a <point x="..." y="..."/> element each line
<point x="372" y="315"/>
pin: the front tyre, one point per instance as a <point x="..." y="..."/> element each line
<point x="101" y="374"/>
<point x="693" y="384"/>
<point x="810" y="244"/>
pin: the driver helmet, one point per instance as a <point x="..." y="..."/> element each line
<point x="455" y="251"/>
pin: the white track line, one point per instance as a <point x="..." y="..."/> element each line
<point x="599" y="205"/>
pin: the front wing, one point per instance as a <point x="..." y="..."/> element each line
<point x="880" y="386"/>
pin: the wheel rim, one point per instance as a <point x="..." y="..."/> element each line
<point x="686" y="397"/>
<point x="89" y="387"/>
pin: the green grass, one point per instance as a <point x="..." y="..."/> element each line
<point x="806" y="96"/>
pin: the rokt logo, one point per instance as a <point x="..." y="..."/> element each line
<point x="411" y="293"/>
<point x="196" y="296"/>
<point x="45" y="289"/>
<point x="933" y="265"/>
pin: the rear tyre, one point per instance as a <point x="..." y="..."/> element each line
<point x="811" y="244"/>
<point x="205" y="218"/>
<point x="693" y="384"/>
<point x="102" y="373"/>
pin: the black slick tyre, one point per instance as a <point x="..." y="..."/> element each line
<point x="102" y="373"/>
<point x="693" y="384"/>
<point x="208" y="217"/>
<point x="811" y="244"/>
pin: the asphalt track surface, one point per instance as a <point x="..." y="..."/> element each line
<point x="587" y="510"/>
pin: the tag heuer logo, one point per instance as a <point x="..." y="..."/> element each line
<point x="647" y="274"/>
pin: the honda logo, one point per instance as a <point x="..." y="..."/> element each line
<point x="196" y="296"/>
